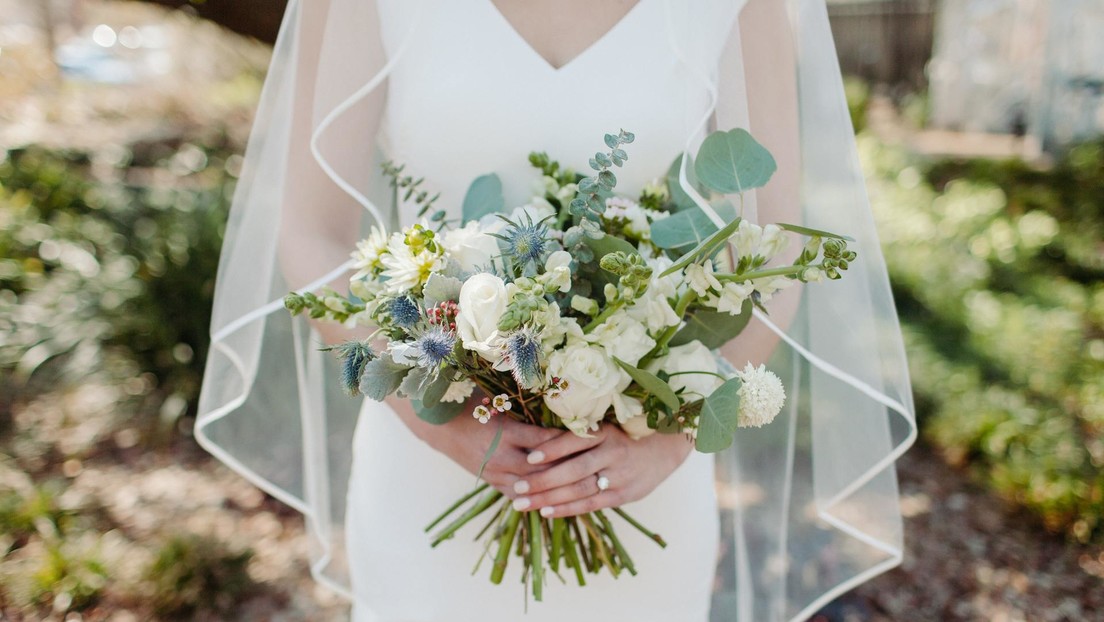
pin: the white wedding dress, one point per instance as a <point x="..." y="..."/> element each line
<point x="451" y="124"/>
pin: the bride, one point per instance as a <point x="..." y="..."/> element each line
<point x="790" y="517"/>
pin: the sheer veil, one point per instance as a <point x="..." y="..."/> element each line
<point x="810" y="503"/>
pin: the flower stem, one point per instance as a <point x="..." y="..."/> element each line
<point x="668" y="333"/>
<point x="622" y="554"/>
<point x="641" y="528"/>
<point x="484" y="503"/>
<point x="505" y="544"/>
<point x="601" y="317"/>
<point x="454" y="506"/>
<point x="535" y="551"/>
<point x="759" y="274"/>
<point x="572" y="554"/>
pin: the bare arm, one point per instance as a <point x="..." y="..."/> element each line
<point x="770" y="69"/>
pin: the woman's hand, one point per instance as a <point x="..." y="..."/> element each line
<point x="569" y="485"/>
<point x="466" y="441"/>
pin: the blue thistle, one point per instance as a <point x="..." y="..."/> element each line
<point x="435" y="346"/>
<point x="404" y="312"/>
<point x="525" y="242"/>
<point x="354" y="356"/>
<point x="523" y="350"/>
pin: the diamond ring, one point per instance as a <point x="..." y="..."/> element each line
<point x="603" y="483"/>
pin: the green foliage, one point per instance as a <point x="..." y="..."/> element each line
<point x="192" y="575"/>
<point x="484" y="197"/>
<point x="652" y="384"/>
<point x="719" y="418"/>
<point x="120" y="262"/>
<point x="999" y="276"/>
<point x="733" y="162"/>
<point x="857" y="92"/>
<point x="712" y="328"/>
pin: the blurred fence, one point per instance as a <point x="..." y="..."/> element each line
<point x="884" y="41"/>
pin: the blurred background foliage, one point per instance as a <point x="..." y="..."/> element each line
<point x="108" y="255"/>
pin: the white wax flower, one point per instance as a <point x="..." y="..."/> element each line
<point x="690" y="357"/>
<point x="458" y="391"/>
<point x="482" y="302"/>
<point x="592" y="381"/>
<point x="470" y="246"/>
<point x="623" y="337"/>
<point x="761" y="396"/>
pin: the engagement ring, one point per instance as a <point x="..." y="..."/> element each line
<point x="603" y="483"/>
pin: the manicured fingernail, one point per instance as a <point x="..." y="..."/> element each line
<point x="547" y="511"/>
<point x="536" y="457"/>
<point x="521" y="503"/>
<point x="521" y="487"/>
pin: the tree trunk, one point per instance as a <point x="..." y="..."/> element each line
<point x="255" y="18"/>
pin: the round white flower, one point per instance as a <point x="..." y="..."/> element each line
<point x="761" y="396"/>
<point x="482" y="302"/>
<point x="458" y="391"/>
<point x="690" y="357"/>
<point x="470" y="246"/>
<point x="637" y="427"/>
<point x="592" y="381"/>
<point x="404" y="269"/>
<point x="623" y="337"/>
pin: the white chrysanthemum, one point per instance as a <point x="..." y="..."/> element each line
<point x="700" y="278"/>
<point x="458" y="391"/>
<point x="366" y="257"/>
<point x="761" y="396"/>
<point x="406" y="270"/>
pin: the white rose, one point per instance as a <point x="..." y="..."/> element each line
<point x="592" y="381"/>
<point x="623" y="337"/>
<point x="482" y="302"/>
<point x="691" y="357"/>
<point x="470" y="246"/>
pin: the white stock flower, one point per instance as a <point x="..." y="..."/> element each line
<point x="761" y="396"/>
<point x="690" y="357"/>
<point x="747" y="238"/>
<point x="557" y="270"/>
<point x="404" y="269"/>
<point x="458" y="391"/>
<point x="731" y="297"/>
<point x="700" y="278"/>
<point x="654" y="310"/>
<point x="592" y="381"/>
<point x="623" y="337"/>
<point x="774" y="241"/>
<point x="470" y="246"/>
<point x="768" y="287"/>
<point x="482" y="302"/>
<point x="667" y="285"/>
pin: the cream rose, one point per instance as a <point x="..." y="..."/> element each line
<point x="691" y="357"/>
<point x="482" y="302"/>
<point x="593" y="380"/>
<point x="470" y="246"/>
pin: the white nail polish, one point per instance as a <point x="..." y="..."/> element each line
<point x="536" y="457"/>
<point x="547" y="511"/>
<point x="521" y="487"/>
<point x="521" y="503"/>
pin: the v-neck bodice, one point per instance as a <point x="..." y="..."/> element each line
<point x="470" y="96"/>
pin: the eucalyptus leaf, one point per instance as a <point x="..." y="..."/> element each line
<point x="719" y="418"/>
<point x="732" y="162"/>
<point x="484" y="197"/>
<point x="712" y="328"/>
<point x="440" y="414"/>
<point x="607" y="244"/>
<point x="436" y="389"/>
<point x="690" y="226"/>
<point x="490" y="450"/>
<point x="381" y="377"/>
<point x="813" y="232"/>
<point x="652" y="384"/>
<point x="679" y="196"/>
<point x="706" y="248"/>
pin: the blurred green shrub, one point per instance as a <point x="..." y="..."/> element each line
<point x="857" y="91"/>
<point x="998" y="270"/>
<point x="111" y="253"/>
<point x="193" y="574"/>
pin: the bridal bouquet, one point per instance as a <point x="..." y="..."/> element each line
<point x="580" y="309"/>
